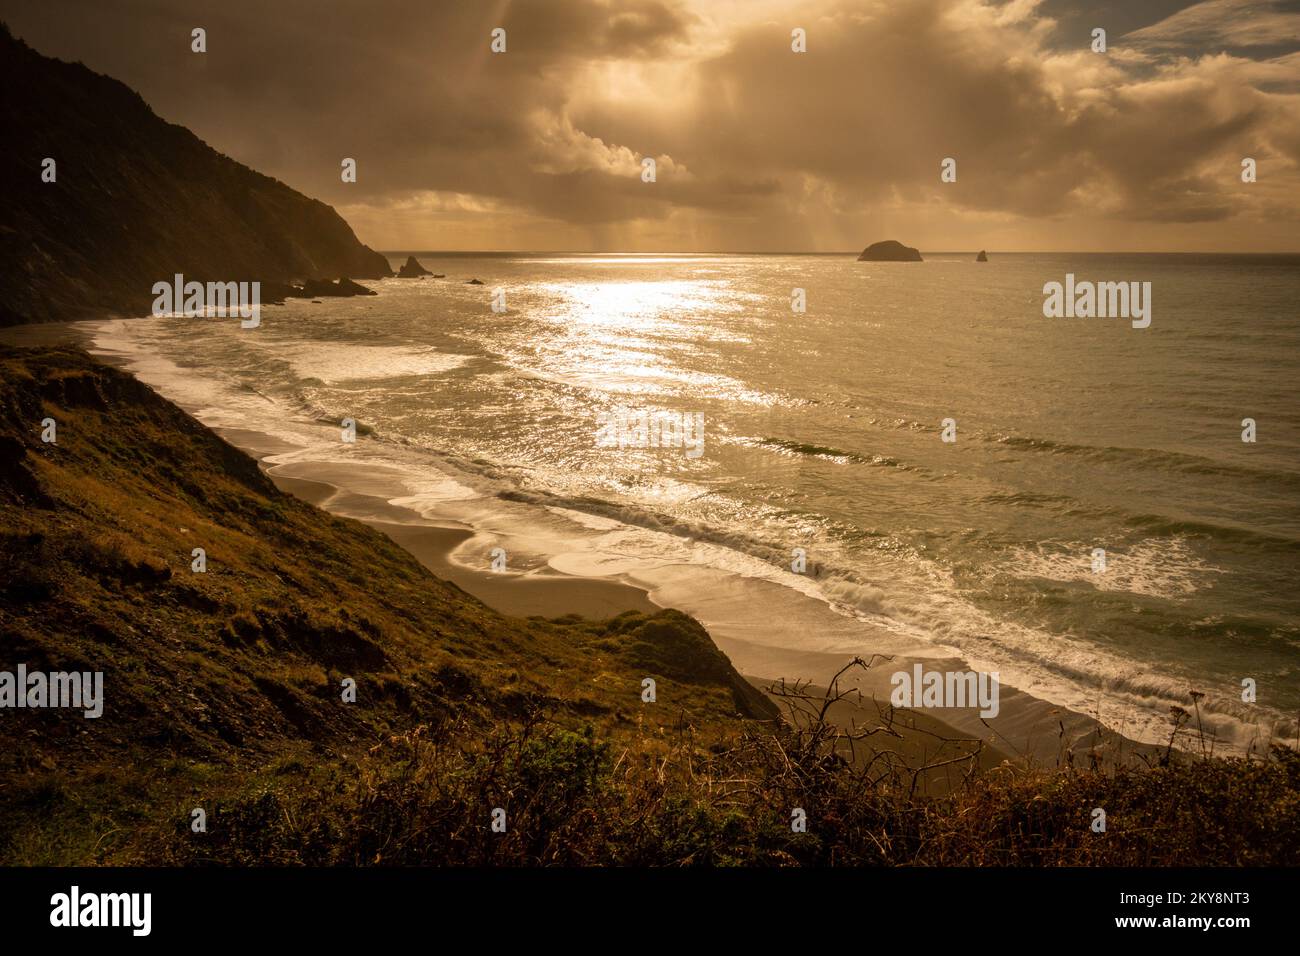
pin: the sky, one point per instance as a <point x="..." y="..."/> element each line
<point x="756" y="147"/>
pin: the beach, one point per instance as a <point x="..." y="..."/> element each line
<point x="918" y="738"/>
<point x="743" y="614"/>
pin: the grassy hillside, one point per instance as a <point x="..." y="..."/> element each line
<point x="223" y="690"/>
<point x="244" y="663"/>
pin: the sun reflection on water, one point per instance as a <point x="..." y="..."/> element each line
<point x="631" y="337"/>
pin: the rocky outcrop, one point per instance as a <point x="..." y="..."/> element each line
<point x="275" y="293"/>
<point x="135" y="200"/>
<point x="412" y="269"/>
<point x="324" y="288"/>
<point x="889" y="250"/>
<point x="982" y="257"/>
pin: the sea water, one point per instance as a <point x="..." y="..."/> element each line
<point x="827" y="475"/>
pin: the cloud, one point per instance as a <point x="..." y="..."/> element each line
<point x="1224" y="24"/>
<point x="895" y="88"/>
<point x="757" y="147"/>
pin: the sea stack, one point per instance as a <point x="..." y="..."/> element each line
<point x="411" y="269"/>
<point x="889" y="251"/>
<point x="982" y="257"/>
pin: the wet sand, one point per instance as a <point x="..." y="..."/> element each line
<point x="536" y="592"/>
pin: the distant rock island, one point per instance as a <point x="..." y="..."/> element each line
<point x="136" y="199"/>
<point x="889" y="251"/>
<point x="412" y="268"/>
<point x="982" y="257"/>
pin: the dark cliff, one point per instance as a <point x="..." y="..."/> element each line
<point x="135" y="200"/>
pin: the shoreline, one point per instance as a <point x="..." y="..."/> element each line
<point x="1027" y="728"/>
<point x="538" y="592"/>
<point x="919" y="738"/>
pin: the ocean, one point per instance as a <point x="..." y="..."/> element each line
<point x="823" y="443"/>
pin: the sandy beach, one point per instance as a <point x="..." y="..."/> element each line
<point x="540" y="592"/>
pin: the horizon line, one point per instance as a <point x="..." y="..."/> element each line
<point x="411" y="250"/>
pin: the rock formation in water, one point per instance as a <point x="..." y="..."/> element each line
<point x="326" y="288"/>
<point x="889" y="250"/>
<point x="982" y="257"/>
<point x="411" y="269"/>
